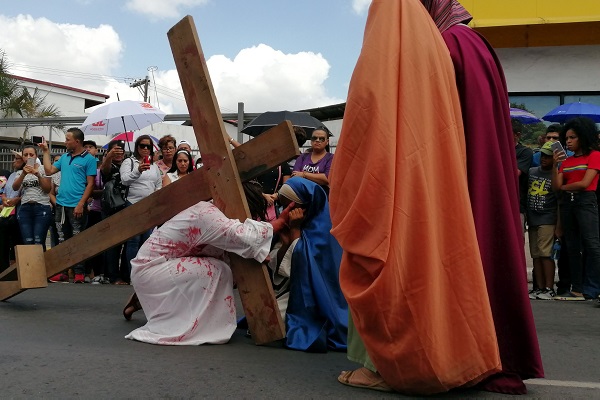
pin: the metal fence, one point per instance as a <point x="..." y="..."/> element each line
<point x="6" y="156"/>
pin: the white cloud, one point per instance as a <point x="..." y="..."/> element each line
<point x="60" y="48"/>
<point x="162" y="9"/>
<point x="264" y="78"/>
<point x="360" y="6"/>
<point x="261" y="77"/>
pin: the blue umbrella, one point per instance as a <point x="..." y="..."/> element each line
<point x="523" y="116"/>
<point x="571" y="110"/>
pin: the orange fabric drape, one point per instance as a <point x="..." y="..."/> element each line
<point x="411" y="269"/>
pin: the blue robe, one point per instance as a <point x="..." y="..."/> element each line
<point x="317" y="313"/>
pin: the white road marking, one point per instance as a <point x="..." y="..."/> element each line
<point x="575" y="384"/>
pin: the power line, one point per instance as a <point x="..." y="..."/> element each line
<point x="164" y="90"/>
<point x="56" y="71"/>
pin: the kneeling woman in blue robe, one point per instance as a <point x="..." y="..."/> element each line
<point x="305" y="267"/>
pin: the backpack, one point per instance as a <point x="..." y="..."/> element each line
<point x="114" y="194"/>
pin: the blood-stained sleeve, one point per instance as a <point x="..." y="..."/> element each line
<point x="248" y="239"/>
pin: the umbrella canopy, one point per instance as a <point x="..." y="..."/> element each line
<point x="523" y="116"/>
<point x="269" y="119"/>
<point x="121" y="116"/>
<point x="571" y="110"/>
<point x="129" y="139"/>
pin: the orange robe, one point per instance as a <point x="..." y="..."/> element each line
<point x="411" y="269"/>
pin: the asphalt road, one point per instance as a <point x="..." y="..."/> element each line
<point x="67" y="341"/>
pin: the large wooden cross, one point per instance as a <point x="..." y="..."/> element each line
<point x="220" y="179"/>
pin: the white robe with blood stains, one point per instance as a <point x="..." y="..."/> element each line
<point x="182" y="278"/>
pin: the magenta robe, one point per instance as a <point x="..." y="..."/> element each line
<point x="494" y="193"/>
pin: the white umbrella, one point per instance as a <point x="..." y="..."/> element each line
<point x="121" y="116"/>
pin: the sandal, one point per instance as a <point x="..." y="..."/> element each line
<point x="133" y="305"/>
<point x="373" y="380"/>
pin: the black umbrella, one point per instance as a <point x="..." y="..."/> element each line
<point x="269" y="119"/>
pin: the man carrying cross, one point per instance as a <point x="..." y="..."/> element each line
<point x="181" y="276"/>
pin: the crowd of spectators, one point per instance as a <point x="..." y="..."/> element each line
<point x="557" y="188"/>
<point x="63" y="195"/>
<point x="560" y="202"/>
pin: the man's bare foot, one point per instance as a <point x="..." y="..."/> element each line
<point x="364" y="378"/>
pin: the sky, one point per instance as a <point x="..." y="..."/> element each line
<point x="269" y="54"/>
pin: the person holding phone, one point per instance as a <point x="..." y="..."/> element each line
<point x="35" y="214"/>
<point x="577" y="178"/>
<point x="143" y="178"/>
<point x="117" y="273"/>
<point x="78" y="170"/>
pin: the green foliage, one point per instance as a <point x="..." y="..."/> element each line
<point x="531" y="132"/>
<point x="18" y="100"/>
<point x="11" y="93"/>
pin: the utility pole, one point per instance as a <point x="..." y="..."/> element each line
<point x="139" y="83"/>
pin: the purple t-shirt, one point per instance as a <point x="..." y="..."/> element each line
<point x="305" y="164"/>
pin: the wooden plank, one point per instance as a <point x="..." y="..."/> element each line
<point x="266" y="151"/>
<point x="31" y="267"/>
<point x="213" y="141"/>
<point x="255" y="157"/>
<point x="9" y="274"/>
<point x="146" y="214"/>
<point x="9" y="289"/>
<point x="256" y="293"/>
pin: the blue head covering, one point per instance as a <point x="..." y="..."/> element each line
<point x="317" y="312"/>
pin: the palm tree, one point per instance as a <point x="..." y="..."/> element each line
<point x="18" y="100"/>
<point x="10" y="92"/>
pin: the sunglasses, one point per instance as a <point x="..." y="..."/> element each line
<point x="317" y="139"/>
<point x="145" y="146"/>
<point x="552" y="137"/>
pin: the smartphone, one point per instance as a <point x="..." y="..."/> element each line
<point x="37" y="139"/>
<point x="557" y="146"/>
<point x="121" y="144"/>
<point x="31" y="162"/>
<point x="147" y="160"/>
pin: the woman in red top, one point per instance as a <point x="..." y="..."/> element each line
<point x="577" y="178"/>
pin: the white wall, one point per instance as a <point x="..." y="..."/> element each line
<point x="542" y="69"/>
<point x="69" y="103"/>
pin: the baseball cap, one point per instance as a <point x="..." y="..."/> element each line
<point x="547" y="149"/>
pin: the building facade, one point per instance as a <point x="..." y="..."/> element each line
<point x="549" y="49"/>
